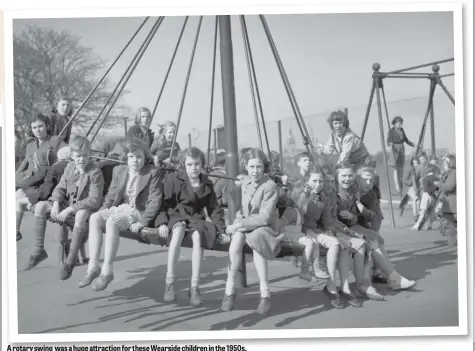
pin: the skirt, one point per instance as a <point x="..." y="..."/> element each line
<point x="397" y="157"/>
<point x="123" y="215"/>
<point x="292" y="233"/>
<point x="207" y="230"/>
<point x="265" y="241"/>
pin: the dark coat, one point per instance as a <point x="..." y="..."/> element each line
<point x="44" y="191"/>
<point x="182" y="204"/>
<point x="448" y="185"/>
<point x="136" y="132"/>
<point x="58" y="122"/>
<point x="38" y="158"/>
<point x="149" y="191"/>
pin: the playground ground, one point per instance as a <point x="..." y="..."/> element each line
<point x="133" y="301"/>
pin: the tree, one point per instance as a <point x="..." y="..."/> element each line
<point x="49" y="64"/>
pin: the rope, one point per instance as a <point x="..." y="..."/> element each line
<point x="148" y="41"/>
<point x="210" y="129"/>
<point x="102" y="79"/>
<point x="186" y="87"/>
<point x="424" y="124"/>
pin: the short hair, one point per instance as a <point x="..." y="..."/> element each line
<point x="422" y="154"/>
<point x="70" y="102"/>
<point x="451" y="161"/>
<point x="370" y="161"/>
<point x="139" y="112"/>
<point x="80" y="143"/>
<point x="220" y="159"/>
<point x="366" y="170"/>
<point x="314" y="169"/>
<point x="301" y="155"/>
<point x="256" y="153"/>
<point x="192" y="152"/>
<point x="344" y="165"/>
<point x="135" y="145"/>
<point x="39" y="117"/>
<point x="397" y="119"/>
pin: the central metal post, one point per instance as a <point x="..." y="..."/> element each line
<point x="230" y="121"/>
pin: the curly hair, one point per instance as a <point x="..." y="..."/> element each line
<point x="192" y="152"/>
<point x="134" y="146"/>
<point x="70" y="102"/>
<point x="252" y="153"/>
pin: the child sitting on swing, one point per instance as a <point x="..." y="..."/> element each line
<point x="132" y="202"/>
<point x="161" y="146"/>
<point x="314" y="227"/>
<point x="78" y="194"/>
<point x="186" y="195"/>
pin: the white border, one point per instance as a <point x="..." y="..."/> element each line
<point x="254" y="334"/>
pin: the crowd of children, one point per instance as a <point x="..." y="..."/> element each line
<point x="333" y="209"/>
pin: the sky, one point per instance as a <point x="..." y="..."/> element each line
<point x="328" y="59"/>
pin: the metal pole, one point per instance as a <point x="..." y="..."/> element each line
<point x="281" y="149"/>
<point x="419" y="66"/>
<point x="370" y="102"/>
<point x="432" y="127"/>
<point x="446" y="91"/>
<point x="346" y="112"/>
<point x="433" y="83"/>
<point x="129" y="74"/>
<point x="213" y="74"/>
<point x="125" y="126"/>
<point x="189" y="140"/>
<point x="230" y="121"/>
<point x="383" y="149"/>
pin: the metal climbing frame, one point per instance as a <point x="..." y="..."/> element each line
<point x="378" y="88"/>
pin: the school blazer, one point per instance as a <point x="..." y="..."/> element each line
<point x="149" y="191"/>
<point x="90" y="191"/>
<point x="258" y="210"/>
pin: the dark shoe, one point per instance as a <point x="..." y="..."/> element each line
<point x="307" y="276"/>
<point x="334" y="298"/>
<point x="379" y="279"/>
<point x="66" y="271"/>
<point x="351" y="299"/>
<point x="264" y="305"/>
<point x="18" y="236"/>
<point x="35" y="259"/>
<point x="169" y="295"/>
<point x="89" y="278"/>
<point x="101" y="282"/>
<point x="195" y="297"/>
<point x="228" y="303"/>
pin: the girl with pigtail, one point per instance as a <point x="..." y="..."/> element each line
<point x="161" y="146"/>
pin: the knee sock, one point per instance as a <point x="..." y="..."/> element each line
<point x="262" y="272"/>
<point x="77" y="240"/>
<point x="40" y="230"/>
<point x="19" y="218"/>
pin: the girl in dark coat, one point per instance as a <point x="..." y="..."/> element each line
<point x="141" y="128"/>
<point x="396" y="139"/>
<point x="186" y="195"/>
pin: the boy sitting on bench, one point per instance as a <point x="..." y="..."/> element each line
<point x="78" y="194"/>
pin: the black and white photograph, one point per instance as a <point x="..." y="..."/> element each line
<point x="257" y="172"/>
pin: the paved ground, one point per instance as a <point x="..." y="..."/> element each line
<point x="133" y="301"/>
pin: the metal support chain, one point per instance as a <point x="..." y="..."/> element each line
<point x="213" y="74"/>
<point x="180" y="112"/>
<point x="137" y="61"/>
